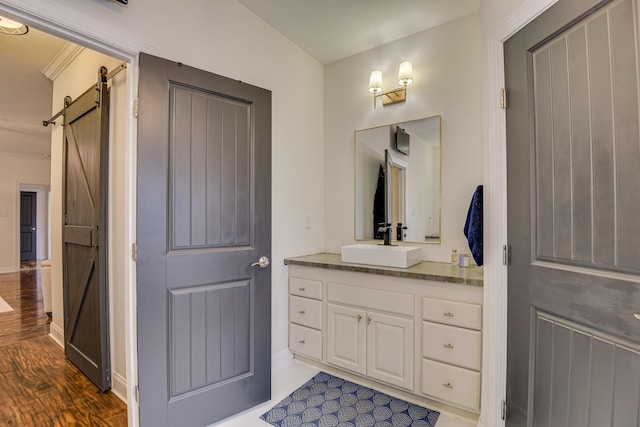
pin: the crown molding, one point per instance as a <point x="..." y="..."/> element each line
<point x="62" y="60"/>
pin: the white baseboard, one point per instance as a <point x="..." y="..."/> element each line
<point x="281" y="359"/>
<point x="57" y="334"/>
<point x="118" y="382"/>
<point x="119" y="386"/>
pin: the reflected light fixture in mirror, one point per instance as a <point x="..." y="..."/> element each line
<point x="12" y="28"/>
<point x="405" y="78"/>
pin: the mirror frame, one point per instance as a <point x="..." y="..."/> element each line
<point x="355" y="177"/>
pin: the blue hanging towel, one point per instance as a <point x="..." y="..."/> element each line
<point x="473" y="226"/>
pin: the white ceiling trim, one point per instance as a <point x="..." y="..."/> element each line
<point x="91" y="32"/>
<point x="62" y="60"/>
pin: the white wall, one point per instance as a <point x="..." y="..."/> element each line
<point x="447" y="63"/>
<point x="26" y="94"/>
<point x="16" y="170"/>
<point x="495" y="12"/>
<point x="224" y="37"/>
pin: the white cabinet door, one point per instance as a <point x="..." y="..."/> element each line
<point x="346" y="338"/>
<point x="390" y="349"/>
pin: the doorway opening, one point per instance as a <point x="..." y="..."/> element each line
<point x="70" y="58"/>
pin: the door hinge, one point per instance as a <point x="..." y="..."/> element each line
<point x="503" y="98"/>
<point x="134" y="252"/>
<point x="505" y="255"/>
<point x="503" y="410"/>
<point x="135" y="107"/>
<point x="137" y="394"/>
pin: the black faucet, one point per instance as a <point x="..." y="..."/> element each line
<point x="387" y="230"/>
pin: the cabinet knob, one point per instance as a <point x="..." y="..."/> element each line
<point x="637" y="316"/>
<point x="448" y="314"/>
<point x="301" y="312"/>
<point x="447" y="385"/>
<point x="301" y="289"/>
<point x="368" y="320"/>
<point x="359" y="318"/>
<point x="301" y="341"/>
<point x="447" y="345"/>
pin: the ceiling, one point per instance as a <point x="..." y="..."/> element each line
<point x="330" y="30"/>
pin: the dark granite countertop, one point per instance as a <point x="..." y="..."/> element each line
<point x="426" y="270"/>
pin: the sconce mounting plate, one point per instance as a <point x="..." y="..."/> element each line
<point x="394" y="96"/>
<point x="391" y="97"/>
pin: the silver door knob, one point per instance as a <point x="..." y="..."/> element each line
<point x="33" y="229"/>
<point x="263" y="262"/>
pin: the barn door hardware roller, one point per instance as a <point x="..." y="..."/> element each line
<point x="103" y="77"/>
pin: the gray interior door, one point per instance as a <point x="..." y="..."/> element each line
<point x="84" y="234"/>
<point x="28" y="225"/>
<point x="204" y="216"/>
<point x="573" y="151"/>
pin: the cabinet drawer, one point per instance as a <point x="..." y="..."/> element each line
<point x="391" y="302"/>
<point x="450" y="344"/>
<point x="458" y="386"/>
<point x="305" y="311"/>
<point x="305" y="287"/>
<point x="452" y="313"/>
<point x="305" y="341"/>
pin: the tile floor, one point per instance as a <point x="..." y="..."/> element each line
<point x="293" y="376"/>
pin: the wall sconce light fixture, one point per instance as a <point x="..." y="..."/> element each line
<point x="7" y="26"/>
<point x="405" y="78"/>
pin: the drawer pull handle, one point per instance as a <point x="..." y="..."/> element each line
<point x="301" y="289"/>
<point x="448" y="345"/>
<point x="301" y="341"/>
<point x="447" y="385"/>
<point x="448" y="314"/>
<point x="301" y="312"/>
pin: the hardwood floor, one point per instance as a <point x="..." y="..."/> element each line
<point x="38" y="385"/>
<point x="27" y="320"/>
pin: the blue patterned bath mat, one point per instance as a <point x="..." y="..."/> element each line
<point x="328" y="401"/>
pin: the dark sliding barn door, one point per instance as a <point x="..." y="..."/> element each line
<point x="85" y="288"/>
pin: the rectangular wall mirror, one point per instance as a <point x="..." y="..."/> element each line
<point x="397" y="180"/>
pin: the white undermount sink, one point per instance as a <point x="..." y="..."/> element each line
<point x="388" y="256"/>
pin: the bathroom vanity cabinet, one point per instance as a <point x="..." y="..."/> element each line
<point x="415" y="330"/>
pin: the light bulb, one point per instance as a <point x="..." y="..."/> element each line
<point x="8" y="23"/>
<point x="405" y="73"/>
<point x="375" y="82"/>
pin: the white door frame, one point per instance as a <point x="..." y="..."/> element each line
<point x="96" y="35"/>
<point x="495" y="213"/>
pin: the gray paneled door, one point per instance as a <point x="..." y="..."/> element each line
<point x="573" y="154"/>
<point x="204" y="217"/>
<point x="84" y="235"/>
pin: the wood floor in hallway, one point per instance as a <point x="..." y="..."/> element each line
<point x="38" y="385"/>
